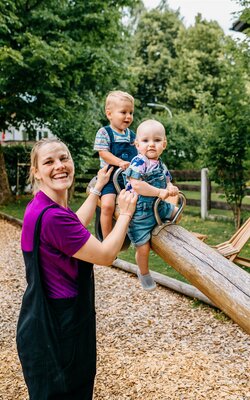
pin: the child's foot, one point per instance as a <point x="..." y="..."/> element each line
<point x="146" y="281"/>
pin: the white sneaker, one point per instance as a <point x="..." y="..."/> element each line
<point x="147" y="282"/>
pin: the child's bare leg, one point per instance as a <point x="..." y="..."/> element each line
<point x="107" y="211"/>
<point x="142" y="255"/>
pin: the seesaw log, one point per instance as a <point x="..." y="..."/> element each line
<point x="224" y="283"/>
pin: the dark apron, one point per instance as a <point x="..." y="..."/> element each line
<point x="56" y="338"/>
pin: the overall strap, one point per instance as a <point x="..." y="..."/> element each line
<point x="132" y="136"/>
<point x="37" y="236"/>
<point x="109" y="131"/>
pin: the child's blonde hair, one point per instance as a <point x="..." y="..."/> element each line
<point x="117" y="94"/>
<point x="34" y="159"/>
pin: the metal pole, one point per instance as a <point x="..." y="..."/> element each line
<point x="204" y="193"/>
<point x="161" y="106"/>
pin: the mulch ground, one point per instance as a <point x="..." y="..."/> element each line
<point x="151" y="346"/>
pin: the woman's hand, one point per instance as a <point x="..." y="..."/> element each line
<point x="103" y="177"/>
<point x="127" y="202"/>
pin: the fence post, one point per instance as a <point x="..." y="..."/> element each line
<point x="205" y="193"/>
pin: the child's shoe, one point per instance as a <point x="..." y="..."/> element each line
<point x="147" y="282"/>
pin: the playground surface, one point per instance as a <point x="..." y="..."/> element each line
<point x="150" y="346"/>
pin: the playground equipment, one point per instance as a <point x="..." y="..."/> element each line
<point x="223" y="282"/>
<point x="231" y="248"/>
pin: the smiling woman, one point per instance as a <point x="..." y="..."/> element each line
<point x="53" y="170"/>
<point x="56" y="327"/>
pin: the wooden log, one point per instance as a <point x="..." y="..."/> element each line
<point x="224" y="283"/>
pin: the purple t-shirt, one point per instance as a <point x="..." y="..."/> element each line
<point x="62" y="235"/>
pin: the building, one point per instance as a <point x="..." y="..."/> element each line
<point x="15" y="136"/>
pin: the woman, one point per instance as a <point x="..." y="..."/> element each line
<point x="56" y="333"/>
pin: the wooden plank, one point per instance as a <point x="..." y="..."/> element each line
<point x="242" y="261"/>
<point x="224" y="283"/>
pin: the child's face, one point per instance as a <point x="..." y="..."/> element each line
<point x="120" y="114"/>
<point x="151" y="143"/>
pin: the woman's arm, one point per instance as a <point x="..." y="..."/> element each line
<point x="105" y="252"/>
<point x="86" y="212"/>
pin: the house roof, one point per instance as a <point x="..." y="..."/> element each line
<point x="240" y="26"/>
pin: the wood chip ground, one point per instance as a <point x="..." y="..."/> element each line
<point x="151" y="346"/>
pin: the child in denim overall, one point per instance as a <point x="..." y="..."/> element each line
<point x="149" y="178"/>
<point x="115" y="144"/>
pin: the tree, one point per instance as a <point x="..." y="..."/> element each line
<point x="244" y="15"/>
<point x="55" y="56"/>
<point x="205" y="85"/>
<point x="153" y="50"/>
<point x="226" y="147"/>
<point x="193" y="83"/>
<point x="54" y="53"/>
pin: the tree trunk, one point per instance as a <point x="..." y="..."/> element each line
<point x="224" y="283"/>
<point x="5" y="193"/>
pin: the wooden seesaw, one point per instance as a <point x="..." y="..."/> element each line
<point x="223" y="282"/>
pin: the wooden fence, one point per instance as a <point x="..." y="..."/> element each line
<point x="182" y="176"/>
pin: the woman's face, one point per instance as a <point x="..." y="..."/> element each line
<point x="55" y="168"/>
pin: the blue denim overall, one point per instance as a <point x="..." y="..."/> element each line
<point x="124" y="150"/>
<point x="143" y="220"/>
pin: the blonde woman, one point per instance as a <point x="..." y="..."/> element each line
<point x="56" y="333"/>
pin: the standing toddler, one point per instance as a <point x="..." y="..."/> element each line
<point x="115" y="144"/>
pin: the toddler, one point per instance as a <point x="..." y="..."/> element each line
<point x="115" y="144"/>
<point x="149" y="178"/>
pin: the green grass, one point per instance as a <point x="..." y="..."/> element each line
<point x="218" y="231"/>
<point x="214" y="196"/>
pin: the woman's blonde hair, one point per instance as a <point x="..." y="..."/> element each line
<point x="34" y="159"/>
<point x="117" y="94"/>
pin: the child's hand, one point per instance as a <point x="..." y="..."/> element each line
<point x="124" y="164"/>
<point x="127" y="202"/>
<point x="163" y="194"/>
<point x="172" y="190"/>
<point x="103" y="177"/>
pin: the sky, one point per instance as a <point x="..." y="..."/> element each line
<point x="218" y="10"/>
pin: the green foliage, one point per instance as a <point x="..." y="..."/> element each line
<point x="193" y="84"/>
<point x="184" y="134"/>
<point x="244" y="15"/>
<point x="57" y="58"/>
<point x="154" y="49"/>
<point x="202" y="75"/>
<point x="227" y="145"/>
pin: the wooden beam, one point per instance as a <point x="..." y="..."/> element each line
<point x="223" y="282"/>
